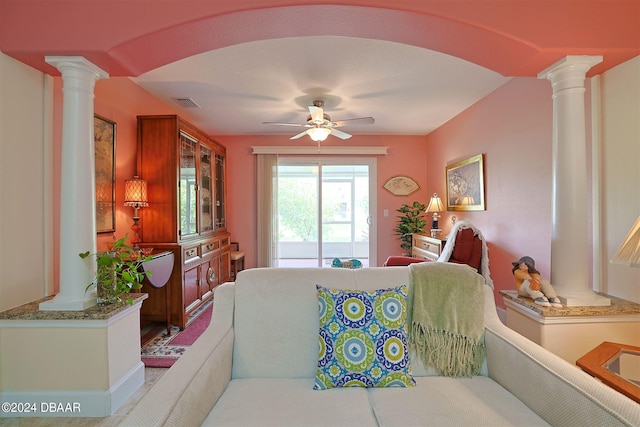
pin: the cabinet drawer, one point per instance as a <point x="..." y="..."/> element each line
<point x="426" y="247"/>
<point x="209" y="247"/>
<point x="191" y="253"/>
<point x="418" y="253"/>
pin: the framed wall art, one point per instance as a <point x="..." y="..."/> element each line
<point x="401" y="185"/>
<point x="104" y="132"/>
<point x="465" y="185"/>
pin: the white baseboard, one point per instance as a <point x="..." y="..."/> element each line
<point x="71" y="403"/>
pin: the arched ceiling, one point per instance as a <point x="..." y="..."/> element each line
<point x="417" y="57"/>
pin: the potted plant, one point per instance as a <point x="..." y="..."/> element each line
<point x="411" y="221"/>
<point x="118" y="272"/>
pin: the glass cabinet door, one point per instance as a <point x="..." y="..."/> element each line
<point x="188" y="185"/>
<point x="221" y="221"/>
<point x="206" y="196"/>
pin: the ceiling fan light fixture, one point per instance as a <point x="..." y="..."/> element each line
<point x="319" y="134"/>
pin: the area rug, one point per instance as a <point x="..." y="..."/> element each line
<point x="159" y="350"/>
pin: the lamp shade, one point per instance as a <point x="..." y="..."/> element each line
<point x="135" y="192"/>
<point x="629" y="251"/>
<point x="435" y="204"/>
<point x="319" y="134"/>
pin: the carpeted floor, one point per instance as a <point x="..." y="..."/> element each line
<point x="160" y="350"/>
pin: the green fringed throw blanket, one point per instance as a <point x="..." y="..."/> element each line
<point x="446" y="311"/>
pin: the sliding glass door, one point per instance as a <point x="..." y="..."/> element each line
<point x="325" y="210"/>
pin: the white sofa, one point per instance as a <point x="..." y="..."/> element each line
<point x="256" y="363"/>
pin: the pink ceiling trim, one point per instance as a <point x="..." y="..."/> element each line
<point x="129" y="38"/>
<point x="486" y="48"/>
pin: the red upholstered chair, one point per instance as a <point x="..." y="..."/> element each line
<point x="397" y="260"/>
<point x="466" y="245"/>
<point x="467" y="249"/>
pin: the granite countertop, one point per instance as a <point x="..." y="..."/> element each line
<point x="31" y="311"/>
<point x="618" y="306"/>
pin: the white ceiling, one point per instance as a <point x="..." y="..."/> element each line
<point x="408" y="90"/>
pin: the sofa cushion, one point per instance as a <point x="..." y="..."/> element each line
<point x="276" y="321"/>
<point x="289" y="402"/>
<point x="446" y="401"/>
<point x="363" y="338"/>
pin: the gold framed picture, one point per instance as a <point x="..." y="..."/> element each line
<point x="465" y="185"/>
<point x="104" y="133"/>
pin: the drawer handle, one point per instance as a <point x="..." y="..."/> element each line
<point x="210" y="246"/>
<point x="191" y="252"/>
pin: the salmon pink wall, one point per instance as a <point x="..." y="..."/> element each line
<point x="513" y="128"/>
<point x="407" y="155"/>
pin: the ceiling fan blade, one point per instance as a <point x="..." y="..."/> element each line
<point x="301" y="134"/>
<point x="340" y="134"/>
<point x="284" y="124"/>
<point x="356" y="121"/>
<point x="317" y="114"/>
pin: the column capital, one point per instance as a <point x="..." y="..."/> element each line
<point x="79" y="63"/>
<point x="569" y="72"/>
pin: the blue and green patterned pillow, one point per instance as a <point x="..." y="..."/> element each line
<point x="363" y="339"/>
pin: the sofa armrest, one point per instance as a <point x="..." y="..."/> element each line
<point x="187" y="392"/>
<point x="558" y="391"/>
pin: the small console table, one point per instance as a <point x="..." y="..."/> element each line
<point x="161" y="266"/>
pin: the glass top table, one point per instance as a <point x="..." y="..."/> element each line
<point x="616" y="365"/>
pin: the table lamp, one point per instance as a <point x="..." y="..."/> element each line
<point x="135" y="195"/>
<point x="435" y="206"/>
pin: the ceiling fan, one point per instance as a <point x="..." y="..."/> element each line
<point x="320" y="124"/>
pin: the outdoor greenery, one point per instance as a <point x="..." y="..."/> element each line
<point x="411" y="221"/>
<point x="297" y="206"/>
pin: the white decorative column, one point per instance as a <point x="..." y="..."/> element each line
<point x="77" y="193"/>
<point x="570" y="231"/>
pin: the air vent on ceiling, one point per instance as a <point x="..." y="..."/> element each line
<point x="186" y="102"/>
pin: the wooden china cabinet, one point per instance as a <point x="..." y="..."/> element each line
<point x="185" y="172"/>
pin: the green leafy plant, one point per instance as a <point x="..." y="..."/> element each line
<point x="411" y="221"/>
<point x="118" y="272"/>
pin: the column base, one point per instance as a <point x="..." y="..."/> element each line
<point x="581" y="298"/>
<point x="60" y="303"/>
